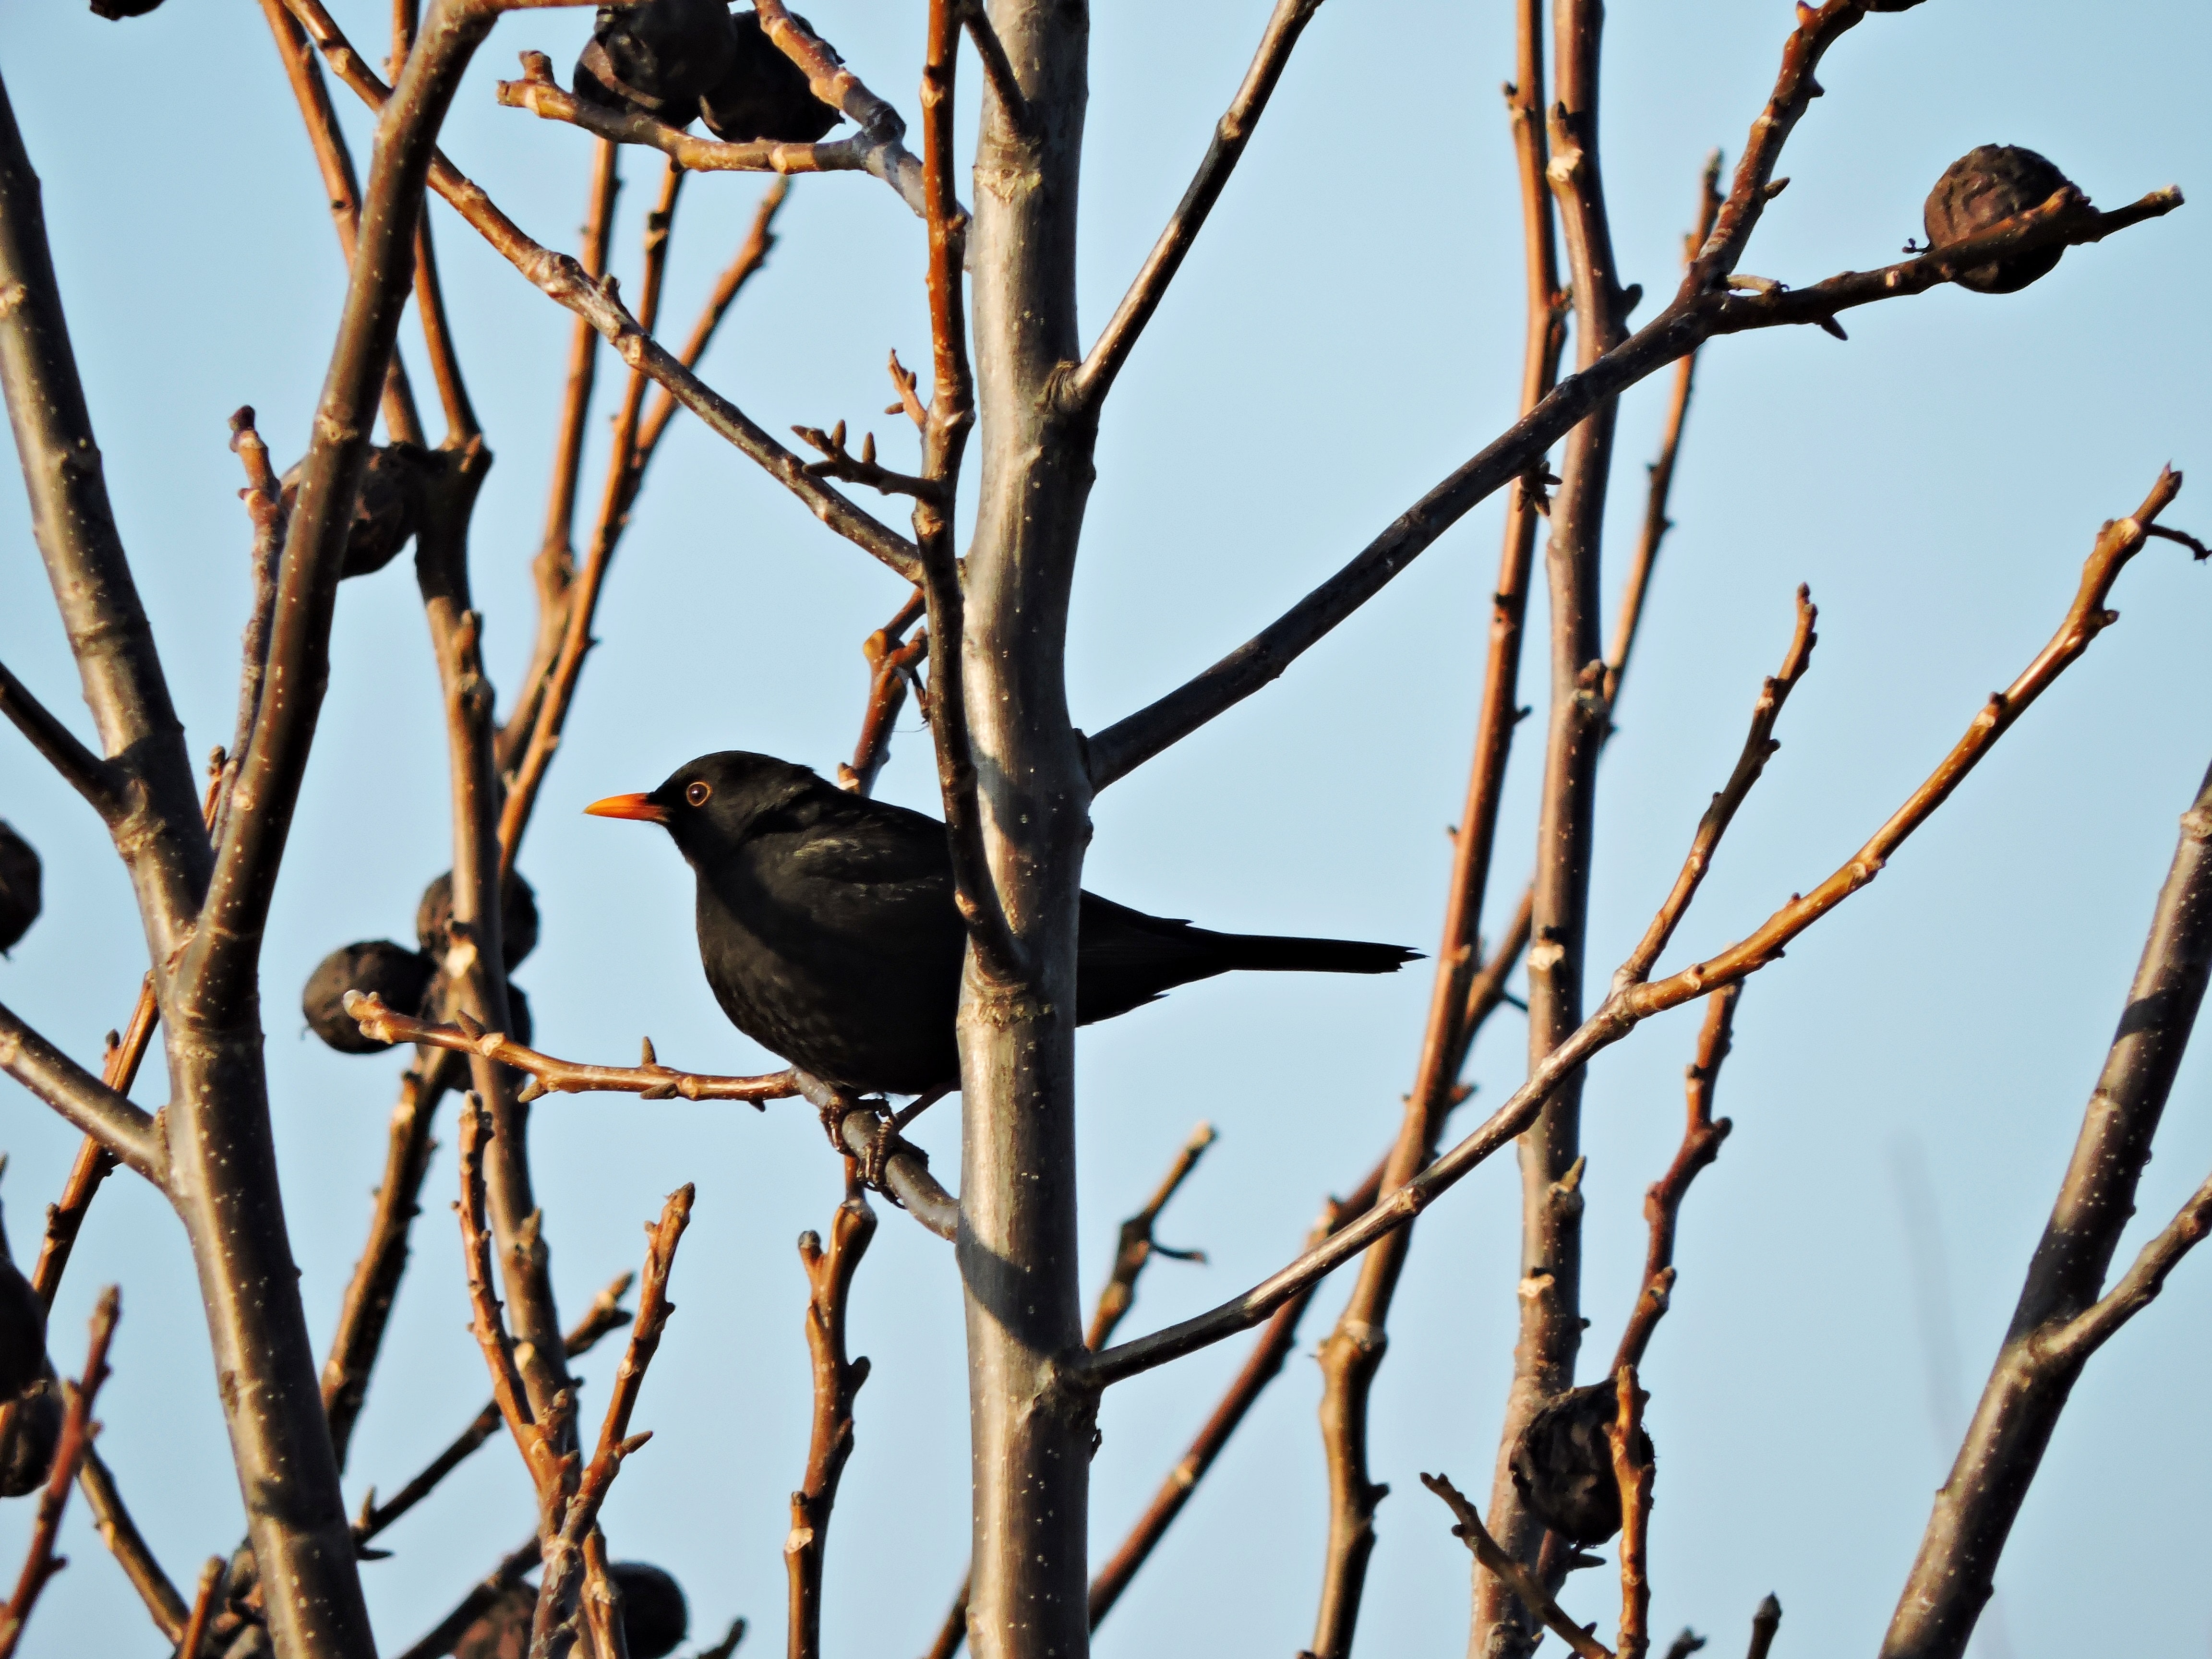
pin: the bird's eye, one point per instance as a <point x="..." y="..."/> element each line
<point x="696" y="794"/>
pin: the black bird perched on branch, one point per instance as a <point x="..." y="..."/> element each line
<point x="829" y="933"/>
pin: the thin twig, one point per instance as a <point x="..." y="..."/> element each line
<point x="581" y="599"/>
<point x="837" y="1379"/>
<point x="892" y="662"/>
<point x="1662" y="1200"/>
<point x="1657" y="523"/>
<point x="547" y="1075"/>
<point x="1632" y="1472"/>
<point x="1623" y="1010"/>
<point x="437" y="340"/>
<point x="563" y="281"/>
<point x="532" y="1438"/>
<point x="1090" y="383"/>
<point x="1470" y="1531"/>
<point x="129" y="1547"/>
<point x="129" y="1132"/>
<point x="887" y="159"/>
<point x="194" y="1639"/>
<point x="1137" y="1246"/>
<point x="607" y="1314"/>
<point x="39" y="1562"/>
<point x="439" y="1641"/>
<point x="753" y="253"/>
<point x="60" y="748"/>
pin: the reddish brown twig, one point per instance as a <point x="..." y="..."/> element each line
<point x="1470" y="1531"/>
<point x="104" y="1503"/>
<point x="753" y="253"/>
<point x="837" y="1380"/>
<point x="863" y="468"/>
<point x="892" y="662"/>
<point x="1662" y="1200"/>
<point x="2117" y="542"/>
<point x="567" y="1539"/>
<point x="563" y="281"/>
<point x="607" y="1314"/>
<point x="542" y="97"/>
<point x="39" y="1562"/>
<point x="1260" y="1367"/>
<point x="535" y="1440"/>
<point x="1657" y="523"/>
<point x="1137" y="1246"/>
<point x="581" y="601"/>
<point x="194" y="1640"/>
<point x="65" y="1217"/>
<point x="547" y="1075"/>
<point x="1631" y="1471"/>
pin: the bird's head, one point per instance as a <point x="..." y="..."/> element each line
<point x="709" y="804"/>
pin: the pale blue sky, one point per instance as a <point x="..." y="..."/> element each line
<point x="1347" y="330"/>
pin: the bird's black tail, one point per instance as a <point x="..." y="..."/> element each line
<point x="1271" y="953"/>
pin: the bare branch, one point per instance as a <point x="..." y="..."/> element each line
<point x="563" y="280"/>
<point x="548" y="1075"/>
<point x="1471" y="1532"/>
<point x="2064" y="1313"/>
<point x="837" y="1380"/>
<point x="891" y="665"/>
<point x="1662" y="1200"/>
<point x="1623" y="1010"/>
<point x="1632" y="1472"/>
<point x="193" y="1642"/>
<point x="753" y="253"/>
<point x="887" y="159"/>
<point x="605" y="1313"/>
<point x="1138" y="1247"/>
<point x="83" y="770"/>
<point x="129" y="1547"/>
<point x="533" y="1439"/>
<point x="1764" y="1623"/>
<point x="131" y="1135"/>
<point x="1095" y="378"/>
<point x="39" y="1562"/>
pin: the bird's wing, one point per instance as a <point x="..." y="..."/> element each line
<point x="857" y="865"/>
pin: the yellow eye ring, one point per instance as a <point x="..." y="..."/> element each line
<point x="696" y="794"/>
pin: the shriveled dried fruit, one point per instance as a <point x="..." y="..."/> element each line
<point x="22" y="1329"/>
<point x="34" y="1430"/>
<point x="518" y="918"/>
<point x="114" y="10"/>
<point x="1988" y="183"/>
<point x="383" y="513"/>
<point x="654" y="1618"/>
<point x="20" y="899"/>
<point x="656" y="59"/>
<point x="375" y="967"/>
<point x="763" y="94"/>
<point x="518" y="1007"/>
<point x="1563" y="1464"/>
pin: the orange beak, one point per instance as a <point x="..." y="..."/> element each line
<point x="629" y="806"/>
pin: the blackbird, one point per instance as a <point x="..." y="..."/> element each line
<point x="763" y="94"/>
<point x="656" y="56"/>
<point x="829" y="934"/>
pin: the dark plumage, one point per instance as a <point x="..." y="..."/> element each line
<point x="20" y="881"/>
<point x="656" y="57"/>
<point x="828" y="931"/>
<point x="762" y="94"/>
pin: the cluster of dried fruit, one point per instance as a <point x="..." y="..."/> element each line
<point x="654" y="1617"/>
<point x="411" y="982"/>
<point x="680" y="60"/>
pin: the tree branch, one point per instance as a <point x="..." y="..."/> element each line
<point x="564" y="282"/>
<point x="1632" y="1472"/>
<point x="837" y="1380"/>
<point x="1470" y="1531"/>
<point x="131" y="1135"/>
<point x="1623" y="1010"/>
<point x="1087" y="388"/>
<point x="2061" y="1318"/>
<point x="83" y="770"/>
<point x="129" y="1547"/>
<point x="1137" y="1246"/>
<point x="1662" y="1200"/>
<point x="886" y="158"/>
<point x="1695" y="316"/>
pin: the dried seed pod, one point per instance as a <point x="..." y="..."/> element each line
<point x="518" y="1007"/>
<point x="518" y="918"/>
<point x="1989" y="183"/>
<point x="383" y="513"/>
<point x="377" y="966"/>
<point x="763" y="94"/>
<point x="656" y="59"/>
<point x="654" y="1617"/>
<point x="1563" y="1464"/>
<point x="22" y="1329"/>
<point x="116" y="9"/>
<point x="34" y="1430"/>
<point x="20" y="899"/>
